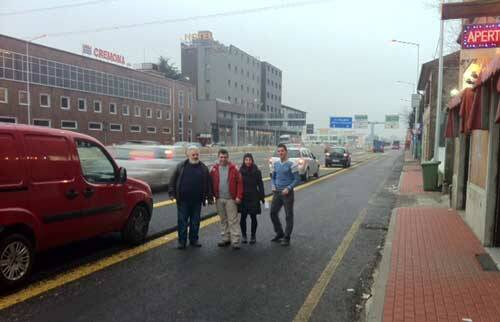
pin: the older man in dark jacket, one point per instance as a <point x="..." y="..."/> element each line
<point x="191" y="186"/>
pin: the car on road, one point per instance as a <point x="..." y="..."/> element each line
<point x="395" y="145"/>
<point x="337" y="156"/>
<point x="57" y="187"/>
<point x="378" y="146"/>
<point x="307" y="162"/>
<point x="153" y="164"/>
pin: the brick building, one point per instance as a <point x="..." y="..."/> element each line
<point x="110" y="102"/>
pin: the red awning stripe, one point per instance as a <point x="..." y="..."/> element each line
<point x="455" y="101"/>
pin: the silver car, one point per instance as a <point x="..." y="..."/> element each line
<point x="153" y="164"/>
<point x="307" y="162"/>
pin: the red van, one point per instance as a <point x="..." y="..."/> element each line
<point x="57" y="187"/>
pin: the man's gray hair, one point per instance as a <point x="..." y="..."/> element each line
<point x="192" y="148"/>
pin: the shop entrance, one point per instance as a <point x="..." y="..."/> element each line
<point x="466" y="170"/>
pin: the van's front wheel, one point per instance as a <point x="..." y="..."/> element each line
<point x="136" y="228"/>
<point x="16" y="259"/>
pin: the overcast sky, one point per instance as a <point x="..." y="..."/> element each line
<point x="336" y="56"/>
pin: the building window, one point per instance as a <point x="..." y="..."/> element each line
<point x="126" y="110"/>
<point x="229" y="98"/>
<point x="69" y="125"/>
<point x="112" y="108"/>
<point x="82" y="104"/>
<point x="135" y="128"/>
<point x="65" y="103"/>
<point x="95" y="126"/>
<point x="149" y="113"/>
<point x="181" y="99"/>
<point x="114" y="127"/>
<point x="158" y="114"/>
<point x="242" y="87"/>
<point x="228" y="66"/>
<point x="228" y="82"/>
<point x="97" y="107"/>
<point x="23" y="98"/>
<point x="190" y="118"/>
<point x="166" y="130"/>
<point x="168" y="116"/>
<point x="41" y="122"/>
<point x="151" y="129"/>
<point x="4" y="97"/>
<point x="7" y="119"/>
<point x="44" y="100"/>
<point x="137" y="111"/>
<point x="235" y="84"/>
<point x="190" y="135"/>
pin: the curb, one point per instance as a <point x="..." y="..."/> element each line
<point x="374" y="307"/>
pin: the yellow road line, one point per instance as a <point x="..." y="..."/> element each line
<point x="319" y="288"/>
<point x="90" y="268"/>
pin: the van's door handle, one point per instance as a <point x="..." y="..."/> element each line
<point x="88" y="192"/>
<point x="71" y="194"/>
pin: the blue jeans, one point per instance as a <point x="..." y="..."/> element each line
<point x="188" y="213"/>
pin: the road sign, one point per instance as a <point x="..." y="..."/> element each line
<point x="341" y="122"/>
<point x="361" y="121"/>
<point x="392" y="121"/>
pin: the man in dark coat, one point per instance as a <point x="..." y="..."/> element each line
<point x="253" y="195"/>
<point x="191" y="186"/>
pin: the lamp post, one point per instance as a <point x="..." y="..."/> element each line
<point x="409" y="43"/>
<point x="28" y="73"/>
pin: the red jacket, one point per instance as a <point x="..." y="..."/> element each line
<point x="235" y="181"/>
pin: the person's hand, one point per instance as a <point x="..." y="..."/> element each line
<point x="285" y="192"/>
<point x="238" y="201"/>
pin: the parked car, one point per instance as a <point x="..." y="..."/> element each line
<point x="307" y="162"/>
<point x="395" y="145"/>
<point x="57" y="187"/>
<point x="153" y="164"/>
<point x="337" y="156"/>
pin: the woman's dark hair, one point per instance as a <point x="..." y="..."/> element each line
<point x="281" y="145"/>
<point x="244" y="166"/>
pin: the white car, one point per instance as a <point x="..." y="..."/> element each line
<point x="307" y="162"/>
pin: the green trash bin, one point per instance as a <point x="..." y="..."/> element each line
<point x="430" y="175"/>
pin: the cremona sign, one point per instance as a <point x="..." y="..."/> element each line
<point x="480" y="36"/>
<point x="103" y="54"/>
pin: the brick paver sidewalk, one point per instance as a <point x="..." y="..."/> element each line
<point x="412" y="181"/>
<point x="434" y="274"/>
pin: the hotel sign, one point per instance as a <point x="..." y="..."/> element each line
<point x="103" y="54"/>
<point x="479" y="36"/>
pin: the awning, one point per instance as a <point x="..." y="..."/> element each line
<point x="474" y="120"/>
<point x="466" y="108"/>
<point x="453" y="119"/>
<point x="490" y="70"/>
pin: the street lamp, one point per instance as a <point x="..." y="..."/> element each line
<point x="28" y="73"/>
<point x="406" y="83"/>
<point x="409" y="43"/>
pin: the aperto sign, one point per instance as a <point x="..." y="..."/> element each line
<point x="478" y="36"/>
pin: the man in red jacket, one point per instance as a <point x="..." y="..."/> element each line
<point x="228" y="189"/>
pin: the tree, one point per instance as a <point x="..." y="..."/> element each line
<point x="168" y="69"/>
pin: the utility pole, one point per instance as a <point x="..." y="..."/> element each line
<point x="437" y="134"/>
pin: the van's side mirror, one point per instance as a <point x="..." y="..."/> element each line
<point x="122" y="175"/>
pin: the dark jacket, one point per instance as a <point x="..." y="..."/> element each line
<point x="234" y="178"/>
<point x="253" y="188"/>
<point x="176" y="179"/>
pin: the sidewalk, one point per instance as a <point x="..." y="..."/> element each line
<point x="430" y="264"/>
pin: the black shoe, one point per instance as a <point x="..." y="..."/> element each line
<point x="277" y="238"/>
<point x="236" y="247"/>
<point x="195" y="244"/>
<point x="285" y="242"/>
<point x="181" y="246"/>
<point x="252" y="240"/>
<point x="244" y="239"/>
<point x="224" y="243"/>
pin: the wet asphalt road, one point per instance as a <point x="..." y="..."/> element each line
<point x="263" y="282"/>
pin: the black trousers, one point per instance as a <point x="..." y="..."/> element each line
<point x="279" y="201"/>
<point x="243" y="223"/>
